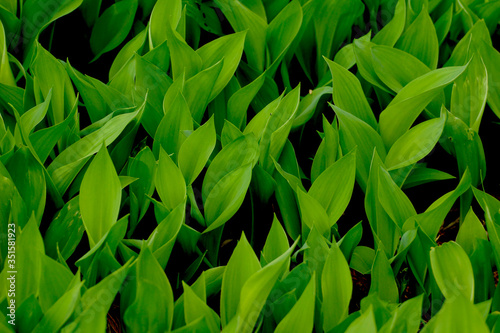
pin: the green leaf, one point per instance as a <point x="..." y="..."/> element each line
<point x="258" y="123"/>
<point x="195" y="151"/>
<point x="238" y="153"/>
<point x="188" y="238"/>
<point x="364" y="63"/>
<point x="392" y="31"/>
<point x="412" y="99"/>
<point x="491" y="207"/>
<point x="239" y="102"/>
<point x="386" y="230"/>
<point x="457" y="315"/>
<point x="316" y="251"/>
<point x="99" y="99"/>
<point x="362" y="259"/>
<point x="226" y="197"/>
<point x="150" y="87"/>
<point x="11" y="204"/>
<point x="61" y="311"/>
<point x="55" y="281"/>
<point x="198" y="89"/>
<point x="44" y="140"/>
<point x="255" y="291"/>
<point x="29" y="252"/>
<point x="422" y="175"/>
<point x="406" y="317"/>
<point x="473" y="238"/>
<point x="420" y="39"/>
<point x="415" y="144"/>
<point x="276" y="243"/>
<point x="135" y="45"/>
<point x="143" y="167"/>
<point x="443" y="24"/>
<point x="6" y="76"/>
<point x="177" y="119"/>
<point x="471" y="232"/>
<point x="67" y="164"/>
<point x="31" y="118"/>
<point x="345" y="56"/>
<point x="100" y="260"/>
<point x="301" y="316"/>
<point x="195" y="308"/>
<point x="11" y="95"/>
<point x="313" y="214"/>
<point x="257" y="7"/>
<point x="277" y="129"/>
<point x="170" y="182"/>
<point x="159" y="56"/>
<point x="229" y="133"/>
<point x="65" y="231"/>
<point x="290" y="169"/>
<point x="381" y="308"/>
<point x="165" y="15"/>
<point x="393" y="199"/>
<point x="487" y="11"/>
<point x="396" y="68"/>
<point x="383" y="281"/>
<point x="229" y="48"/>
<point x="283" y="299"/>
<point x="341" y="15"/>
<point x="242" y="264"/>
<point x="10" y="5"/>
<point x="30" y="312"/>
<point x="491" y="57"/>
<point x="29" y="177"/>
<point x="96" y="302"/>
<point x="453" y="271"/>
<point x="430" y="221"/>
<point x="56" y="196"/>
<point x="364" y="323"/>
<point x="470" y="92"/>
<point x="112" y="27"/>
<point x="348" y="94"/>
<point x="200" y="325"/>
<point x="333" y="188"/>
<point x="185" y="61"/>
<point x="327" y="151"/>
<point x="350" y="240"/>
<point x="242" y="18"/>
<point x="153" y="290"/>
<point x="467" y="147"/>
<point x="8" y="12"/>
<point x="280" y="34"/>
<point x="475" y="37"/>
<point x="355" y="132"/>
<point x="100" y="197"/>
<point x="309" y="104"/>
<point x="90" y="11"/>
<point x="336" y="286"/>
<point x="162" y="239"/>
<point x="52" y="77"/>
<point x="285" y="196"/>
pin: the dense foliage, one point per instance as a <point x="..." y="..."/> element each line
<point x="249" y="165"/>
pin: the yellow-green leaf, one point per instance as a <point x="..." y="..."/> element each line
<point x="100" y="197"/>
